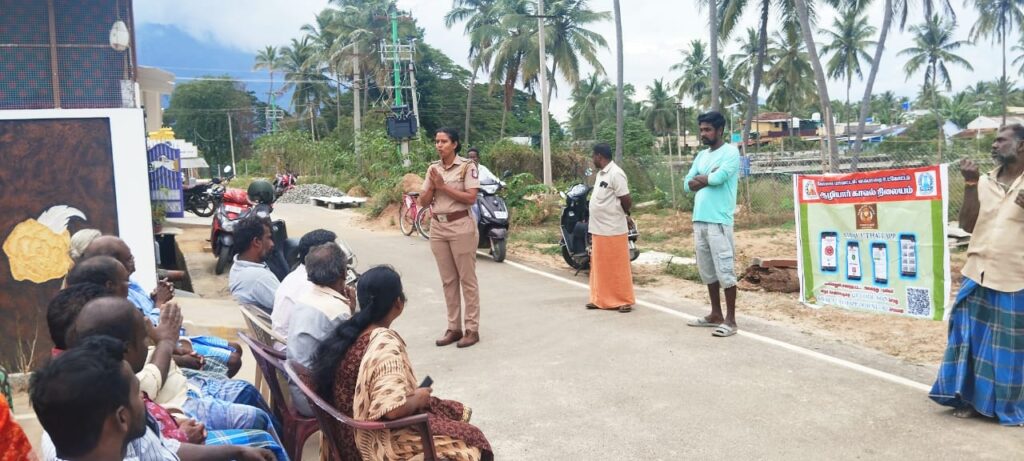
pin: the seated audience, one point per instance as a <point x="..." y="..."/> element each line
<point x="250" y="280"/>
<point x="206" y="353"/>
<point x="320" y="310"/>
<point x="363" y="369"/>
<point x="90" y="406"/>
<point x="103" y="271"/>
<point x="219" y="404"/>
<point x="296" y="283"/>
<point x="64" y="308"/>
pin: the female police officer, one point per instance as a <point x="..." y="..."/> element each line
<point x="450" y="190"/>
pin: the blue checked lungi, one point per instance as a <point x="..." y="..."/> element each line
<point x="220" y="415"/>
<point x="249" y="438"/>
<point x="984" y="362"/>
<point x="216" y="351"/>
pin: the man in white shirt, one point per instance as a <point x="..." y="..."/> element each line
<point x="319" y="311"/>
<point x="611" y="277"/>
<point x="296" y="283"/>
<point x="485" y="176"/>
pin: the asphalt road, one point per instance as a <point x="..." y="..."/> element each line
<point x="553" y="381"/>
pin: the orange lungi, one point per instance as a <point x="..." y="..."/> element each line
<point x="611" y="278"/>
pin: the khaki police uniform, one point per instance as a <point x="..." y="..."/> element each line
<point x="453" y="240"/>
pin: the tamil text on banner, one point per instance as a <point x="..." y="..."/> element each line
<point x="874" y="240"/>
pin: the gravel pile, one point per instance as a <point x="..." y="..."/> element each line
<point x="302" y="193"/>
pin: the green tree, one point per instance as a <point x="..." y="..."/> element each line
<point x="695" y="67"/>
<point x="659" y="109"/>
<point x="322" y="36"/>
<point x="270" y="60"/>
<point x="514" y="52"/>
<point x="791" y="74"/>
<point x="584" y="118"/>
<point x="996" y="18"/>
<point x="302" y="77"/>
<point x="846" y="42"/>
<point x="482" y="21"/>
<point x="571" y="41"/>
<point x="934" y="48"/>
<point x="199" y="110"/>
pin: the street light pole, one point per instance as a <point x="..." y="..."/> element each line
<point x="545" y="134"/>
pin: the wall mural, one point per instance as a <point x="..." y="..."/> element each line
<point x="58" y="178"/>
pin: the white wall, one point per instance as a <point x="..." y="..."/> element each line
<point x="131" y="178"/>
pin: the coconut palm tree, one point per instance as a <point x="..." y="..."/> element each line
<point x="301" y="75"/>
<point x="695" y="66"/>
<point x="322" y="37"/>
<point x="570" y="40"/>
<point x="1019" y="49"/>
<point x="791" y="73"/>
<point x="659" y="109"/>
<point x="585" y="100"/>
<point x="482" y="21"/>
<point x="804" y="12"/>
<point x="846" y="42"/>
<point x="996" y="18"/>
<point x="270" y="60"/>
<point x="934" y="48"/>
<point x="514" y="45"/>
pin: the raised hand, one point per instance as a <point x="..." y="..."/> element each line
<point x="969" y="170"/>
<point x="170" y="323"/>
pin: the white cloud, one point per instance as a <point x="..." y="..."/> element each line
<point x="653" y="30"/>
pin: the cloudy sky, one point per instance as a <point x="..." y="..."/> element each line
<point x="654" y="32"/>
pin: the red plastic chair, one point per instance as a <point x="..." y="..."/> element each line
<point x="297" y="428"/>
<point x="329" y="417"/>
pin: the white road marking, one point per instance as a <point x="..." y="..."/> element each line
<point x="756" y="337"/>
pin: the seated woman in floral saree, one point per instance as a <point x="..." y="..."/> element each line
<point x="364" y="370"/>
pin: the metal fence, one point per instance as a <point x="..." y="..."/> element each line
<point x="765" y="196"/>
<point x="58" y="54"/>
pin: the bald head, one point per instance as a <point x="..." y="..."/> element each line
<point x="115" y="317"/>
<point x="101" y="270"/>
<point x="109" y="245"/>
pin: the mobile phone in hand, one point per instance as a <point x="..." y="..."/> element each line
<point x="427" y="382"/>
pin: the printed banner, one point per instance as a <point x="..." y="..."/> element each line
<point x="874" y="241"/>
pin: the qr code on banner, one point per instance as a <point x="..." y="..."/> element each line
<point x="919" y="301"/>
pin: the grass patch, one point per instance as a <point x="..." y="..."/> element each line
<point x="682" y="271"/>
<point x="657" y="237"/>
<point x="535" y="235"/>
<point x="681" y="252"/>
<point x="551" y="249"/>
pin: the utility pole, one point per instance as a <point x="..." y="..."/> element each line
<point x="679" y="131"/>
<point x="415" y="97"/>
<point x="231" y="141"/>
<point x="545" y="129"/>
<point x="357" y="118"/>
<point x="620" y="106"/>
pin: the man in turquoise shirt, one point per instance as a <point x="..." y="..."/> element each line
<point x="714" y="177"/>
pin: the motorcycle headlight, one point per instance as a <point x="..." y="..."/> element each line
<point x="227" y="224"/>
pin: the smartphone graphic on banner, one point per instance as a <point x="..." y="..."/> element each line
<point x="908" y="255"/>
<point x="880" y="262"/>
<point x="853" y="260"/>
<point x="829" y="251"/>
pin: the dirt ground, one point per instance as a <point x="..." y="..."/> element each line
<point x="920" y="342"/>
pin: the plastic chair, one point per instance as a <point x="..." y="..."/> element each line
<point x="259" y="325"/>
<point x="297" y="428"/>
<point x="329" y="417"/>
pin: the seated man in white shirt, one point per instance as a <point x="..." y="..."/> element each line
<point x="320" y="310"/>
<point x="296" y="283"/>
<point x="90" y="406"/>
<point x="250" y="280"/>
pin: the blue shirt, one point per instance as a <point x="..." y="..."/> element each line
<point x="138" y="296"/>
<point x="715" y="203"/>
<point x="253" y="283"/>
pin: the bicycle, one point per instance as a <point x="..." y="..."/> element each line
<point x="423" y="219"/>
<point x="408" y="212"/>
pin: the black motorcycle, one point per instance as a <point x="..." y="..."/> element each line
<point x="201" y="199"/>
<point x="575" y="241"/>
<point x="492" y="224"/>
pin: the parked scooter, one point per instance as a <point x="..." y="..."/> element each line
<point x="575" y="241"/>
<point x="284" y="183"/>
<point x="493" y="219"/>
<point x="237" y="204"/>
